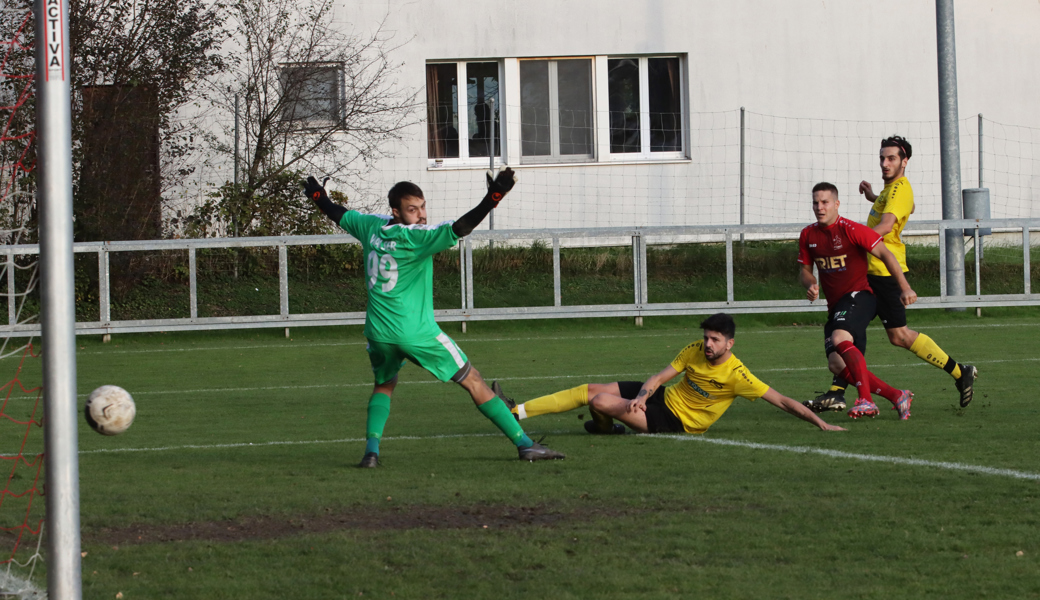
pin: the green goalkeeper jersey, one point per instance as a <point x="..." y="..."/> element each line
<point x="398" y="274"/>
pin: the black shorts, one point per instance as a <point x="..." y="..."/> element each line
<point x="853" y="312"/>
<point x="889" y="309"/>
<point x="659" y="418"/>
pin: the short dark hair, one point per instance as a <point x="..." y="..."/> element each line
<point x="905" y="151"/>
<point x="721" y="323"/>
<point x="402" y="189"/>
<point x="825" y="186"/>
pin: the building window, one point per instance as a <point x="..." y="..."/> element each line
<point x="442" y="110"/>
<point x="654" y="83"/>
<point x="557" y="110"/>
<point x="556" y="114"/>
<point x="478" y="121"/>
<point x="312" y="93"/>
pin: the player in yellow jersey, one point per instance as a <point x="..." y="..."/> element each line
<point x="712" y="378"/>
<point x="888" y="216"/>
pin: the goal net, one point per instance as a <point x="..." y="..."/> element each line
<point x="22" y="507"/>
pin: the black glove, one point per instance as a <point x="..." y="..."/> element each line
<point x="314" y="190"/>
<point x="499" y="186"/>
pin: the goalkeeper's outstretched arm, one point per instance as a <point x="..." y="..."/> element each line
<point x="316" y="192"/>
<point x="498" y="187"/>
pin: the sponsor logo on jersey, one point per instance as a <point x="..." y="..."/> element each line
<point x="812" y="245"/>
<point x="698" y="388"/>
<point x="831" y="263"/>
<point x="716" y="384"/>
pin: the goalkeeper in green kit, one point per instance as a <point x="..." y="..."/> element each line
<point x="399" y="324"/>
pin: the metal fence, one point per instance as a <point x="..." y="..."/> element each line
<point x="640" y="239"/>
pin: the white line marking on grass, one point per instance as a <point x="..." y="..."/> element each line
<point x="284" y="443"/>
<point x="893" y="460"/>
<point x="351" y="385"/>
<point x="650" y="334"/>
<point x="611" y="377"/>
<point x="295" y="345"/>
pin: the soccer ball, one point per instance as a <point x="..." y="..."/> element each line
<point x="110" y="410"/>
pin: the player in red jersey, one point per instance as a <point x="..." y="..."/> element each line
<point x="838" y="247"/>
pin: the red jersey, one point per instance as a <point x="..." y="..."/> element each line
<point x="840" y="254"/>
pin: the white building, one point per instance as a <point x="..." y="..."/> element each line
<point x="623" y="113"/>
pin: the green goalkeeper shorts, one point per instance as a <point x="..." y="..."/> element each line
<point x="439" y="355"/>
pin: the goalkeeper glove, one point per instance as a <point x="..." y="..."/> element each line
<point x="314" y="190"/>
<point x="499" y="185"/>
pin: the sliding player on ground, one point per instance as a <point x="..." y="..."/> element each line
<point x="399" y="321"/>
<point x="889" y="214"/>
<point x="839" y="247"/>
<point x="712" y="378"/>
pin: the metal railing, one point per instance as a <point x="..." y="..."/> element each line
<point x="640" y="307"/>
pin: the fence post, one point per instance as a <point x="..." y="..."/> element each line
<point x="283" y="284"/>
<point x="637" y="274"/>
<point x="12" y="313"/>
<point x="193" y="284"/>
<point x="644" y="269"/>
<point x="942" y="262"/>
<point x="978" y="266"/>
<point x="469" y="274"/>
<point x="1025" y="260"/>
<point x="557" y="283"/>
<point x="462" y="278"/>
<point x="104" y="293"/>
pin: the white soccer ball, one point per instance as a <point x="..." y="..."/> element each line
<point x="110" y="410"/>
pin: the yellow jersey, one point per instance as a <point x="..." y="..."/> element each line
<point x="897" y="198"/>
<point x="707" y="390"/>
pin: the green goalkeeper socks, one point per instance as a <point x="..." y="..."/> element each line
<point x="378" y="413"/>
<point x="495" y="410"/>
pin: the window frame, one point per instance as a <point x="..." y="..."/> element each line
<point x="464" y="160"/>
<point x="510" y="119"/>
<point x="554" y="157"/>
<point x="645" y="154"/>
<point x="338" y="99"/>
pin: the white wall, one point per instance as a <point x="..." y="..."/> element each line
<point x="844" y="71"/>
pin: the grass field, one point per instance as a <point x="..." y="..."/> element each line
<point x="237" y="480"/>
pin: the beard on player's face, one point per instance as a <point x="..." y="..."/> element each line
<point x="892" y="166"/>
<point x="715" y="345"/>
<point x="412" y="211"/>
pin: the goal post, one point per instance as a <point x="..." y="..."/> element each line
<point x="57" y="296"/>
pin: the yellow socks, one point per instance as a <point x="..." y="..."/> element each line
<point x="555" y="403"/>
<point x="926" y="348"/>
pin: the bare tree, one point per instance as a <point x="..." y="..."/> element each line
<point x="135" y="64"/>
<point x="314" y="99"/>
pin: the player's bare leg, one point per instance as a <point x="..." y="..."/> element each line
<point x="616" y="407"/>
<point x="492" y="407"/>
<point x="474" y="384"/>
